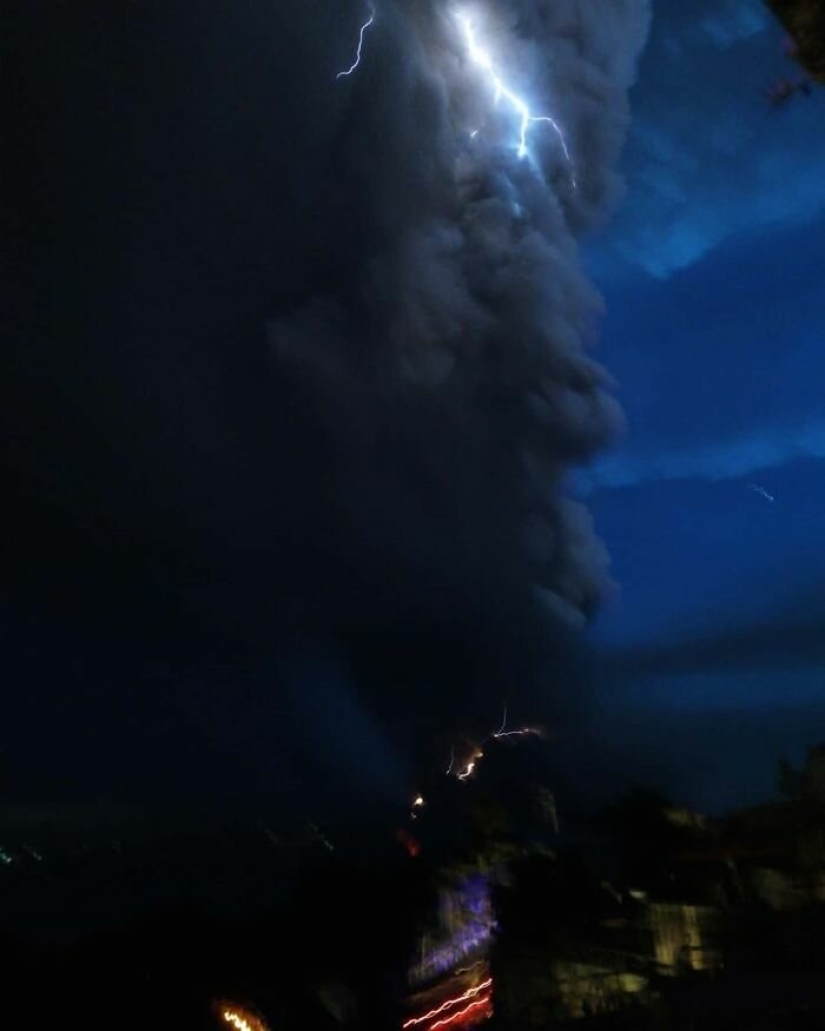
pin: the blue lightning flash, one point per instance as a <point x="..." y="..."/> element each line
<point x="481" y="57"/>
<point x="362" y="33"/>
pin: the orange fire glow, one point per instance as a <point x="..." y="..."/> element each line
<point x="239" y="1019"/>
<point x="412" y="846"/>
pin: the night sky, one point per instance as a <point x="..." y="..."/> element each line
<point x="712" y="276"/>
<point x="297" y="367"/>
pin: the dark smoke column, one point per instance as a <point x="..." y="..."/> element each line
<point x="442" y="373"/>
<point x="378" y="497"/>
<point x="453" y="372"/>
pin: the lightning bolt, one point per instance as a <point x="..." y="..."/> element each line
<point x="481" y="57"/>
<point x="362" y="33"/>
<point x="504" y="732"/>
<point x="763" y="492"/>
<point x="495" y="735"/>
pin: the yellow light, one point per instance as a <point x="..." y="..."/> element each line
<point x="235" y="1021"/>
<point x="239" y="1019"/>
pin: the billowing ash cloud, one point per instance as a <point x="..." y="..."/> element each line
<point x="447" y="357"/>
<point x="383" y="492"/>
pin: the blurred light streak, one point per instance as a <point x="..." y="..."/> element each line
<point x="471" y="993"/>
<point x="471" y="967"/>
<point x="480" y="1005"/>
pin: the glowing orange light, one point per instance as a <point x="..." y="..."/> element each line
<point x="235" y="1021"/>
<point x="497" y="735"/>
<point x="239" y="1019"/>
<point x="471" y="993"/>
<point x="479" y="1004"/>
<point x="410" y="844"/>
<point x="471" y="765"/>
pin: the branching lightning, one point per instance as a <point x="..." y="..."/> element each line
<point x="482" y="58"/>
<point x="362" y="33"/>
<point x="467" y="771"/>
<point x="449" y="769"/>
<point x="521" y="732"/>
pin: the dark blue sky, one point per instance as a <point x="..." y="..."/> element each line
<point x="712" y="275"/>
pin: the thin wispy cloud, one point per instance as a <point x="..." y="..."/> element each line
<point x="757" y="452"/>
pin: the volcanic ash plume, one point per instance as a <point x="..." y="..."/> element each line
<point x="448" y="359"/>
<point x="363" y="527"/>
